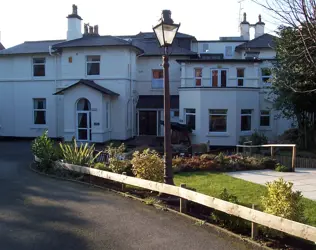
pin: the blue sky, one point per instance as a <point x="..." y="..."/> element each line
<point x="44" y="20"/>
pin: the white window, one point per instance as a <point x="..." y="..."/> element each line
<point x="266" y="75"/>
<point x="218" y="120"/>
<point x="107" y="115"/>
<point x="93" y="65"/>
<point x="228" y="51"/>
<point x="157" y="79"/>
<point x="198" y="76"/>
<point x="246" y="119"/>
<point x="39" y="111"/>
<point x="39" y="66"/>
<point x="264" y="118"/>
<point x="205" y="47"/>
<point x="218" y="77"/>
<point x="190" y="118"/>
<point x="240" y="77"/>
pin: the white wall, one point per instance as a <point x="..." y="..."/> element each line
<point x="16" y="108"/>
<point x="250" y="80"/>
<point x="145" y="65"/>
<point x="231" y="99"/>
<point x="217" y="47"/>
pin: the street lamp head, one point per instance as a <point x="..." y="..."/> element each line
<point x="166" y="29"/>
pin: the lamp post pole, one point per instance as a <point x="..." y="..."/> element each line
<point x="165" y="31"/>
<point x="168" y="173"/>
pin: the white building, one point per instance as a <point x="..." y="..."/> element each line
<point x="100" y="88"/>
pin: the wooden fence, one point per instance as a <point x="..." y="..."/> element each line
<point x="257" y="217"/>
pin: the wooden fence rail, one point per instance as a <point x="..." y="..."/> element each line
<point x="287" y="226"/>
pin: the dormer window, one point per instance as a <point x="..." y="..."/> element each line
<point x="205" y="47"/>
<point x="228" y="51"/>
<point x="39" y="66"/>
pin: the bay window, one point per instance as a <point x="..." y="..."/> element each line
<point x="218" y="77"/>
<point x="218" y="120"/>
<point x="198" y="76"/>
<point x="190" y="118"/>
<point x="240" y="77"/>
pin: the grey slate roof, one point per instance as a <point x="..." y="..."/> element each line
<point x="151" y="47"/>
<point x="265" y="41"/>
<point x="151" y="35"/>
<point x="30" y="47"/>
<point x="90" y="84"/>
<point x="94" y="41"/>
<point x="1" y="46"/>
<point x="156" y="102"/>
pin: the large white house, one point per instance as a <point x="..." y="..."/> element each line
<point x="99" y="88"/>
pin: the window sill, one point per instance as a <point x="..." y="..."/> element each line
<point x="156" y="89"/>
<point x="218" y="134"/>
<point x="34" y="126"/>
<point x="248" y="132"/>
<point x="265" y="129"/>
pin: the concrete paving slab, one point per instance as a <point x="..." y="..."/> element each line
<point x="303" y="179"/>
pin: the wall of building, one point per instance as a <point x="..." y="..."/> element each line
<point x="145" y="65"/>
<point x="217" y="47"/>
<point x="233" y="100"/>
<point x="250" y="80"/>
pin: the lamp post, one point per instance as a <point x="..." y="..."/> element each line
<point x="165" y="32"/>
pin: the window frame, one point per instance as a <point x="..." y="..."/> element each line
<point x="268" y="77"/>
<point x="219" y="77"/>
<point x="196" y="78"/>
<point x="38" y="64"/>
<point x="239" y="77"/>
<point x="186" y="113"/>
<point x="153" y="86"/>
<point x="93" y="62"/>
<point x="205" y="50"/>
<point x="246" y="115"/>
<point x="210" y="115"/>
<point x="265" y="115"/>
<point x="232" y="51"/>
<point x="34" y="110"/>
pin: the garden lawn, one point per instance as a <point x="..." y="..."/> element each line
<point x="247" y="193"/>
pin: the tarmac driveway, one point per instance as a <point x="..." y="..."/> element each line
<point x="303" y="179"/>
<point x="39" y="213"/>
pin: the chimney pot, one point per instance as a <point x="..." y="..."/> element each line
<point x="166" y="16"/>
<point x="90" y="30"/>
<point x="96" y="29"/>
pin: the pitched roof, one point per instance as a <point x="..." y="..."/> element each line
<point x="30" y="47"/>
<point x="90" y="84"/>
<point x="151" y="35"/>
<point x="1" y="46"/>
<point x="94" y="41"/>
<point x="266" y="41"/>
<point x="156" y="102"/>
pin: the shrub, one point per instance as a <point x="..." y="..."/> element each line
<point x="268" y="163"/>
<point x="221" y="158"/>
<point x="83" y="155"/>
<point x="117" y="163"/>
<point x="102" y="166"/>
<point x="282" y="201"/>
<point x="228" y="220"/>
<point x="207" y="157"/>
<point x="148" y="165"/>
<point x="43" y="148"/>
<point x="281" y="168"/>
<point x="178" y="164"/>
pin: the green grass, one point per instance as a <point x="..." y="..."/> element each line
<point x="248" y="193"/>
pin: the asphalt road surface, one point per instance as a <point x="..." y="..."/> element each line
<point x="40" y="213"/>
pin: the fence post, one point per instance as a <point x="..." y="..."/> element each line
<point x="293" y="158"/>
<point x="123" y="184"/>
<point x="272" y="152"/>
<point x="183" y="202"/>
<point x="254" y="227"/>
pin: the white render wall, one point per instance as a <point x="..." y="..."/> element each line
<point x="250" y="80"/>
<point x="145" y="65"/>
<point x="216" y="47"/>
<point x="204" y="99"/>
<point x="19" y="87"/>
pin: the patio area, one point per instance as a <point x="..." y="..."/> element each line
<point x="303" y="179"/>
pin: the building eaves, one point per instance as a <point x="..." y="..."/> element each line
<point x="265" y="41"/>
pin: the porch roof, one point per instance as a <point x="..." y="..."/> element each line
<point x="156" y="102"/>
<point x="90" y="84"/>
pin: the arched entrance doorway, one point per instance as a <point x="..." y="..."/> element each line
<point x="83" y="120"/>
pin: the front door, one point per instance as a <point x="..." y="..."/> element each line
<point x="83" y="126"/>
<point x="147" y="122"/>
